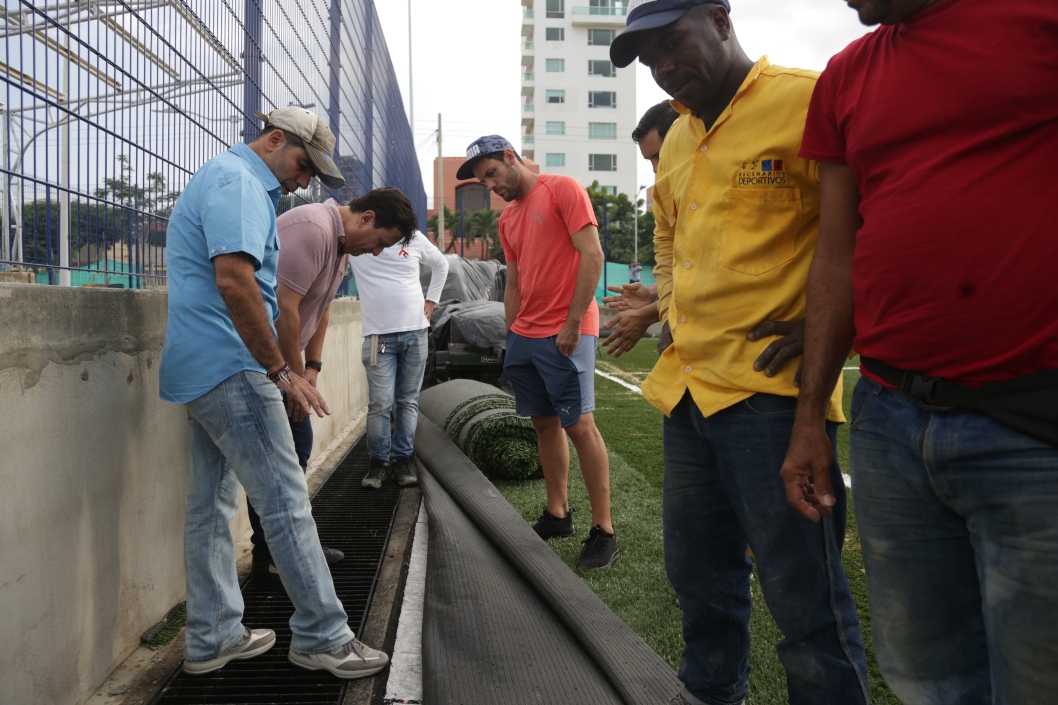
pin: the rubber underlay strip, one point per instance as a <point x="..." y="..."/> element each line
<point x="505" y="620"/>
<point x="354" y="520"/>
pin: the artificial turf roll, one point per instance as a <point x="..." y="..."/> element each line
<point x="482" y="421"/>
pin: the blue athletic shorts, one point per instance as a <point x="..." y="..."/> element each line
<point x="546" y="382"/>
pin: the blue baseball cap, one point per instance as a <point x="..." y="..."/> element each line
<point x="650" y="14"/>
<point x="480" y="148"/>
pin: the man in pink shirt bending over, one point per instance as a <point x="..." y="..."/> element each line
<point x="316" y="242"/>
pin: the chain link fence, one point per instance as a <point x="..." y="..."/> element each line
<point x="107" y="108"/>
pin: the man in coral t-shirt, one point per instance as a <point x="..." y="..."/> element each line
<point x="551" y="240"/>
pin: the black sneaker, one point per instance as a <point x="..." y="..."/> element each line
<point x="403" y="472"/>
<point x="375" y="475"/>
<point x="333" y="555"/>
<point x="549" y="526"/>
<point x="600" y="550"/>
<point x="264" y="569"/>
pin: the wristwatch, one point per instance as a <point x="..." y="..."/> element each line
<point x="314" y="364"/>
<point x="281" y="375"/>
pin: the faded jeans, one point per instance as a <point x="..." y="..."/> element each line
<point x="396" y="379"/>
<point x="958" y="517"/>
<point x="240" y="434"/>
<point x="723" y="494"/>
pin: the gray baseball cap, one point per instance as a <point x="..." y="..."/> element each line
<point x="313" y="131"/>
<point x="480" y="148"/>
<point x="650" y="14"/>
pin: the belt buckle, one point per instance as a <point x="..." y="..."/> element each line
<point x="923" y="389"/>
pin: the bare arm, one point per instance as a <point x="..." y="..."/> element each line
<point x="829" y="333"/>
<point x="314" y="349"/>
<point x="586" y="240"/>
<point x="512" y="296"/>
<point x="234" y="276"/>
<point x="289" y="327"/>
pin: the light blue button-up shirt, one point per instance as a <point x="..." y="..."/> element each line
<point x="228" y="206"/>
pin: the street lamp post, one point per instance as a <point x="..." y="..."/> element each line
<point x="635" y="240"/>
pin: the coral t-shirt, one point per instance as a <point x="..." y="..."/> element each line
<point x="949" y="122"/>
<point x="536" y="232"/>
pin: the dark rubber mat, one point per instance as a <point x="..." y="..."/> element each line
<point x="505" y="620"/>
<point x="353" y="520"/>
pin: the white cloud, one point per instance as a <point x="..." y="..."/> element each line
<point x="466" y="59"/>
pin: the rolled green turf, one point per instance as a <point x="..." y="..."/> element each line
<point x="482" y="421"/>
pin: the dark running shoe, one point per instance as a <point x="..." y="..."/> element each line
<point x="265" y="569"/>
<point x="375" y="475"/>
<point x="402" y="470"/>
<point x="333" y="555"/>
<point x="549" y="526"/>
<point x="600" y="550"/>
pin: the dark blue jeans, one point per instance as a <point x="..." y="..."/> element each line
<point x="958" y="517"/>
<point x="302" y="432"/>
<point x="723" y="494"/>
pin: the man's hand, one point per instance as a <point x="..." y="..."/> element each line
<point x="428" y="310"/>
<point x="568" y="338"/>
<point x="632" y="297"/>
<point x="303" y="399"/>
<point x="806" y="472"/>
<point x="665" y="339"/>
<point x="630" y="325"/>
<point x="781" y="351"/>
<point x="311" y="374"/>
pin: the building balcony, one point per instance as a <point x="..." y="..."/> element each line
<point x="527" y="14"/>
<point x="527" y="46"/>
<point x="528" y="139"/>
<point x="528" y="77"/>
<point x="528" y="108"/>
<point x="599" y="16"/>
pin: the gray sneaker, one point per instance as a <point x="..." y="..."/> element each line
<point x="353" y="660"/>
<point x="375" y="475"/>
<point x="253" y="643"/>
<point x="405" y="475"/>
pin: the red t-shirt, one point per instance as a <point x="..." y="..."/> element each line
<point x="536" y="233"/>
<point x="949" y="122"/>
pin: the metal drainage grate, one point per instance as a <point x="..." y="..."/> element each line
<point x="349" y="518"/>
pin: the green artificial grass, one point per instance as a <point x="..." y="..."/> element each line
<point x="173" y="624"/>
<point x="502" y="444"/>
<point x="636" y="588"/>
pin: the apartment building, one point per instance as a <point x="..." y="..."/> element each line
<point x="578" y="110"/>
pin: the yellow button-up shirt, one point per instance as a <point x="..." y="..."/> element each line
<point x="737" y="218"/>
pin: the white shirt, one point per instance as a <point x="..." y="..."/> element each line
<point x="391" y="299"/>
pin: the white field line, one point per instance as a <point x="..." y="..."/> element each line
<point x="405" y="672"/>
<point x="619" y="381"/>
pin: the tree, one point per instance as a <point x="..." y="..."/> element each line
<point x="484" y="224"/>
<point x="451" y="220"/>
<point x="619" y="222"/>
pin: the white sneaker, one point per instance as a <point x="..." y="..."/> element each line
<point x="254" y="643"/>
<point x="352" y="660"/>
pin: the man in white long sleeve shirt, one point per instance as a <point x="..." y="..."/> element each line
<point x="396" y="319"/>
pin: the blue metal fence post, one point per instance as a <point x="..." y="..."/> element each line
<point x="334" y="85"/>
<point x="251" y="63"/>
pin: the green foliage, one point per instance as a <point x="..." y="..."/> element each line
<point x="620" y="226"/>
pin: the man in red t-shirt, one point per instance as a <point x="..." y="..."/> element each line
<point x="550" y="238"/>
<point x="937" y="254"/>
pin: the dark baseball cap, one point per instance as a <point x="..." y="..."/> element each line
<point x="650" y="14"/>
<point x="480" y="148"/>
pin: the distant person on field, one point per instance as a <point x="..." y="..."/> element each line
<point x="396" y="325"/>
<point x="551" y="240"/>
<point x="937" y="255"/>
<point x="318" y="240"/>
<point x="634" y="268"/>
<point x="737" y="216"/>
<point x="222" y="362"/>
<point x="637" y="303"/>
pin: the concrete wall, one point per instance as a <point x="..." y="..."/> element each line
<point x="93" y="479"/>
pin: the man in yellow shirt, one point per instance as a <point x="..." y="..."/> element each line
<point x="737" y="216"/>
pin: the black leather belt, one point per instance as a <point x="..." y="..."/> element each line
<point x="1026" y="404"/>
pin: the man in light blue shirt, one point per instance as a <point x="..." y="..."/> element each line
<point x="222" y="361"/>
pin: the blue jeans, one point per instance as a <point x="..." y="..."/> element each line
<point x="240" y="434"/>
<point x="958" y="517"/>
<point x="397" y="378"/>
<point x="302" y="433"/>
<point x="723" y="494"/>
